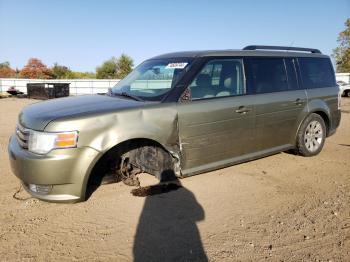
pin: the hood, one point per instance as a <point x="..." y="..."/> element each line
<point x="37" y="116"/>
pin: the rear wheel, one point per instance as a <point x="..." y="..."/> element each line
<point x="347" y="93"/>
<point x="311" y="136"/>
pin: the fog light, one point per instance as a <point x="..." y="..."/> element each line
<point x="40" y="189"/>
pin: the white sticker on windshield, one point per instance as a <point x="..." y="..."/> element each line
<point x="176" y="65"/>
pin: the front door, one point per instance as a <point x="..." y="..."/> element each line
<point x="216" y="124"/>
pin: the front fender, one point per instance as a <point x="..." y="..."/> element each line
<point x="102" y="132"/>
<point x="158" y="124"/>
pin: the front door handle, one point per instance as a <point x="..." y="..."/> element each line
<point x="243" y="110"/>
<point x="298" y="102"/>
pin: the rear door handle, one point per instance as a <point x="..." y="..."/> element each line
<point x="243" y="110"/>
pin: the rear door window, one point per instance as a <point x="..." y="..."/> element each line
<point x="316" y="72"/>
<point x="266" y="75"/>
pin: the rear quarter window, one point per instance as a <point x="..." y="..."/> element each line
<point x="316" y="72"/>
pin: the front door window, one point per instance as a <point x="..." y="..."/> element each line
<point x="219" y="78"/>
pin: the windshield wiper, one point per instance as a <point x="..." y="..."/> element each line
<point x="125" y="94"/>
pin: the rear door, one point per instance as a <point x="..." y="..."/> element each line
<point x="279" y="100"/>
<point x="216" y="123"/>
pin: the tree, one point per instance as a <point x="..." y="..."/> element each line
<point x="80" y="75"/>
<point x="4" y="64"/>
<point x="36" y="69"/>
<point x="59" y="71"/>
<point x="115" y="68"/>
<point x="124" y="66"/>
<point x="107" y="70"/>
<point x="6" y="71"/>
<point x="342" y="52"/>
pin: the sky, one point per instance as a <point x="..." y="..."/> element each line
<point x="81" y="34"/>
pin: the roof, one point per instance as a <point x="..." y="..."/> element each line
<point x="238" y="52"/>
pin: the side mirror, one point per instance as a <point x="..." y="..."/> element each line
<point x="109" y="92"/>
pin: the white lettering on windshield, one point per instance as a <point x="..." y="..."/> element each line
<point x="176" y="65"/>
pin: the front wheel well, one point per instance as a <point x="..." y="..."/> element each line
<point x="149" y="155"/>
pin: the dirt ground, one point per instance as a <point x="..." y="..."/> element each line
<point x="279" y="208"/>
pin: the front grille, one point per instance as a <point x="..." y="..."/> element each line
<point x="22" y="136"/>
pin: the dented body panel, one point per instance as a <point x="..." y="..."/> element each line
<point x="157" y="122"/>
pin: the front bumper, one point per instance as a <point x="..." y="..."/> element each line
<point x="66" y="171"/>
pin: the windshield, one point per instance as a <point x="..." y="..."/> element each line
<point x="152" y="80"/>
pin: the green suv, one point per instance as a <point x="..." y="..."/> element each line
<point x="179" y="114"/>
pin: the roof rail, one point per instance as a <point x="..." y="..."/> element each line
<point x="287" y="48"/>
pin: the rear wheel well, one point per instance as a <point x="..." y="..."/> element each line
<point x="325" y="119"/>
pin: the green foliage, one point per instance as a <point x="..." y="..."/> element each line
<point x="60" y="72"/>
<point x="124" y="66"/>
<point x="63" y="72"/>
<point x="107" y="70"/>
<point x="80" y="75"/>
<point x="115" y="68"/>
<point x="342" y="52"/>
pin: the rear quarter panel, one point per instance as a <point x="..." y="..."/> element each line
<point x="325" y="100"/>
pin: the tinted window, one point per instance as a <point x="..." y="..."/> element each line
<point x="219" y="77"/>
<point x="267" y="75"/>
<point x="316" y="72"/>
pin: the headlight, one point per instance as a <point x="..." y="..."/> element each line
<point x="44" y="142"/>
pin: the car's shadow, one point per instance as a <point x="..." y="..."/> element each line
<point x="167" y="229"/>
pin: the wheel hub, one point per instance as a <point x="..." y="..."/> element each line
<point x="313" y="136"/>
